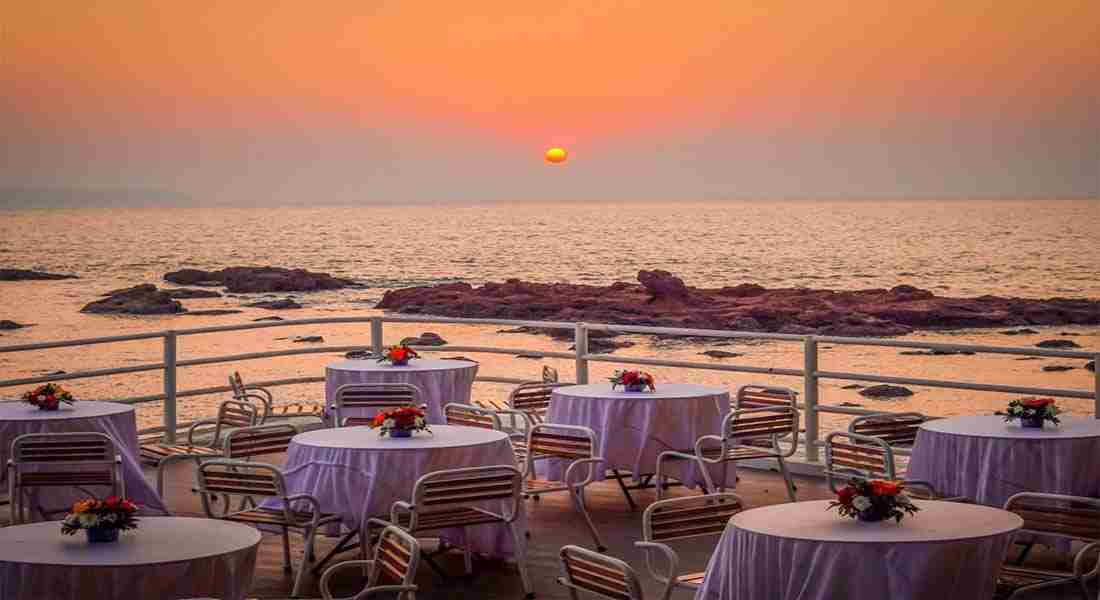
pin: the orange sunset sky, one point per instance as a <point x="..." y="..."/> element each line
<point x="370" y="101"/>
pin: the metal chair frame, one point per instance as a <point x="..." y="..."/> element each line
<point x="764" y="396"/>
<point x="599" y="575"/>
<point x="251" y="392"/>
<point x="899" y="430"/>
<point x="868" y="457"/>
<point x="574" y="443"/>
<point x="377" y="396"/>
<point x="1077" y="519"/>
<point x="77" y="450"/>
<point x="690" y="517"/>
<point x="396" y="557"/>
<point x="468" y="415"/>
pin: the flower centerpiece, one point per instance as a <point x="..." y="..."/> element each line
<point x="400" y="422"/>
<point x="1032" y="412"/>
<point x="398" y="356"/>
<point x="101" y="519"/>
<point x="873" y="500"/>
<point x="632" y="381"/>
<point x="48" y="397"/>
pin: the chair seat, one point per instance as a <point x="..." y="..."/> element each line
<point x="691" y="580"/>
<point x="538" y="486"/>
<point x="737" y="453"/>
<point x="1012" y="578"/>
<point x="276" y="516"/>
<point x="294" y="409"/>
<point x="154" y="453"/>
<point x="458" y="517"/>
<point x="65" y="478"/>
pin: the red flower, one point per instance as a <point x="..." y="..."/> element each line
<point x="398" y="354"/>
<point x="845" y="495"/>
<point x="1037" y="402"/>
<point x="885" y="488"/>
<point x="112" y="501"/>
<point x="379" y="420"/>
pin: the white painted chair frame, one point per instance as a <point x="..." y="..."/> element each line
<point x="397" y="554"/>
<point x="83" y="449"/>
<point x="574" y="443"/>
<point x="599" y="575"/>
<point x="372" y="396"/>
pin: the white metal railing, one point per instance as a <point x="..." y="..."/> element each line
<point x="810" y="373"/>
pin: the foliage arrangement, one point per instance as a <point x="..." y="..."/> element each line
<point x="632" y="381"/>
<point x="111" y="513"/>
<point x="399" y="420"/>
<point x="1032" y="411"/>
<point x="398" y="355"/>
<point x="48" y="396"/>
<point x="873" y="500"/>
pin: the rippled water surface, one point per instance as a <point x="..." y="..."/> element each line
<point x="964" y="248"/>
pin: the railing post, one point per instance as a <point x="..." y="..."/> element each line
<point x="809" y="397"/>
<point x="580" y="345"/>
<point x="376" y="336"/>
<point x="169" y="387"/>
<point x="1096" y="385"/>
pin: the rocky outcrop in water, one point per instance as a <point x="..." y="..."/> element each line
<point x="886" y="391"/>
<point x="186" y="293"/>
<point x="425" y="339"/>
<point x="250" y="280"/>
<point x="662" y="299"/>
<point x="143" y="299"/>
<point x="8" y="325"/>
<point x="27" y="275"/>
<point x="1058" y="344"/>
<point x="282" y="304"/>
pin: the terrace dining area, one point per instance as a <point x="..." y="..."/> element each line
<point x="404" y="483"/>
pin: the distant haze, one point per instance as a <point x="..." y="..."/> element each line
<point x="133" y="102"/>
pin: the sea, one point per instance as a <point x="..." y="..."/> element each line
<point x="1032" y="248"/>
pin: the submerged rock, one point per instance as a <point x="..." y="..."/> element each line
<point x="1091" y="365"/>
<point x="249" y="280"/>
<point x="358" y="354"/>
<point x="143" y="299"/>
<point x="28" y="275"/>
<point x="721" y="354"/>
<point x="309" y="339"/>
<point x="1058" y="344"/>
<point x="213" y="312"/>
<point x="6" y="325"/>
<point x="886" y="391"/>
<point x="185" y="293"/>
<point x="425" y="339"/>
<point x="283" y="304"/>
<point x="936" y="352"/>
<point x="853" y="386"/>
<point x="1057" y="368"/>
<point x="1024" y="331"/>
<point x="268" y="319"/>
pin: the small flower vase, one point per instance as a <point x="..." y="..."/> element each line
<point x="400" y="363"/>
<point x="98" y="535"/>
<point x="634" y="387"/>
<point x="401" y="433"/>
<point x="1032" y="422"/>
<point x="870" y="516"/>
<point x="48" y="408"/>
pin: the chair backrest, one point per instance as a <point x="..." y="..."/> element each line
<point x="598" y="574"/>
<point x="1068" y="517"/>
<point x="896" y="429"/>
<point x="259" y="440"/>
<point x="764" y="396"/>
<point x="224" y="478"/>
<point x="532" y="399"/>
<point x="689" y="517"/>
<point x="237" y="384"/>
<point x="570" y="442"/>
<point x="470" y="416"/>
<point x="371" y="398"/>
<point x="62" y="448"/>
<point x="234" y="414"/>
<point x="455" y="488"/>
<point x="77" y="460"/>
<point x="852" y="454"/>
<point x="396" y="557"/>
<point x="765" y="426"/>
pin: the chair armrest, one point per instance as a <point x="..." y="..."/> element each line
<point x="262" y="390"/>
<point x="567" y="477"/>
<point x="1079" y="561"/>
<point x="673" y="564"/>
<point x="699" y="443"/>
<point x="326" y="577"/>
<point x="384" y="589"/>
<point x="196" y="425"/>
<point x="397" y="506"/>
<point x="314" y="505"/>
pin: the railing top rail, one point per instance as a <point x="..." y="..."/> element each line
<point x="83" y="342"/>
<point x="892" y="343"/>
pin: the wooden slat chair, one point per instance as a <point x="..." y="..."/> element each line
<point x="897" y="429"/>
<point x="231" y="414"/>
<point x="533" y="400"/>
<point x="686" y="518"/>
<point x="251" y="483"/>
<point x="72" y="460"/>
<point x="254" y="393"/>
<point x="454" y="498"/>
<point x="371" y="398"/>
<point x="850" y="455"/>
<point x="470" y="416"/>
<point x="1068" y="518"/>
<point x="564" y="442"/>
<point x="392" y="570"/>
<point x="748" y="434"/>
<point x="259" y="440"/>
<point x="764" y="396"/>
<point x="549" y="374"/>
<point x="599" y="575"/>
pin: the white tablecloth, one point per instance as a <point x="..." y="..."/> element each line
<point x="800" y="551"/>
<point x="441" y="381"/>
<point x="987" y="460"/>
<point x="164" y="559"/>
<point x="111" y="418"/>
<point x="353" y="471"/>
<point x="633" y="428"/>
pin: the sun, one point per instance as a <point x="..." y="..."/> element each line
<point x="556" y="155"/>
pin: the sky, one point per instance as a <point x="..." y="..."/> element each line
<point x="363" y="101"/>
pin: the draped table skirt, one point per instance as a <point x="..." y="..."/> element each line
<point x="442" y="381"/>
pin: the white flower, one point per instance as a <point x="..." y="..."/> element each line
<point x="861" y="503"/>
<point x="903" y="499"/>
<point x="88" y="521"/>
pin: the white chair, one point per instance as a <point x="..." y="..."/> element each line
<point x="563" y="442"/>
<point x="371" y="398"/>
<point x="454" y="498"/>
<point x="764" y="396"/>
<point x="687" y="518"/>
<point x="899" y="430"/>
<point x="533" y="400"/>
<point x="392" y="570"/>
<point x="468" y="415"/>
<point x="599" y="575"/>
<point x="251" y="392"/>
<point x="1068" y="518"/>
<point x="252" y="483"/>
<point x="850" y="455"/>
<point x="70" y="460"/>
<point x="747" y="434"/>
<point x="259" y="440"/>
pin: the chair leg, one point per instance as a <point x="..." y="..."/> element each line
<point x="160" y="478"/>
<point x="467" y="554"/>
<point x="299" y="577"/>
<point x="286" y="550"/>
<point x="578" y="502"/>
<point x="521" y="560"/>
<point x="787" y="479"/>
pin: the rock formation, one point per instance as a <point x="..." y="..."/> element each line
<point x="249" y="280"/>
<point x="143" y="299"/>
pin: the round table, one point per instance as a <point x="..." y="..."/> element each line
<point x="633" y="428"/>
<point x="353" y="471"/>
<point x="987" y="460"/>
<point x="803" y="551"/>
<point x="165" y="558"/>
<point x="114" y="419"/>
<point x="441" y="381"/>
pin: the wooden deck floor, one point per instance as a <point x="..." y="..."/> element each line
<point x="553" y="524"/>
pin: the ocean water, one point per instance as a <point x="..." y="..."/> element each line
<point x="963" y="248"/>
